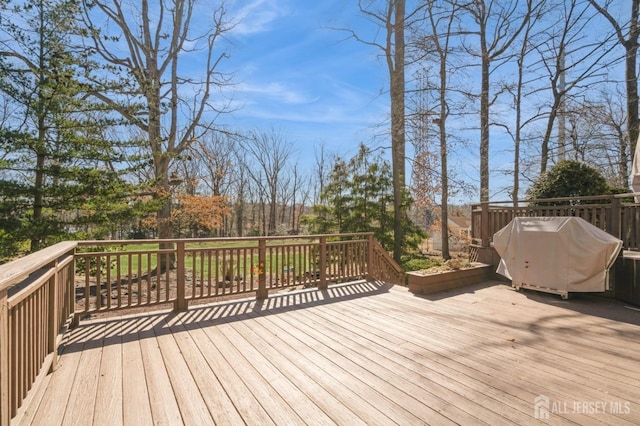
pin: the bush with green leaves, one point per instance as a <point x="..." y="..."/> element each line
<point x="568" y="178"/>
<point x="417" y="264"/>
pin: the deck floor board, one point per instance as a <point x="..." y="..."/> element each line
<point x="136" y="406"/>
<point x="358" y="353"/>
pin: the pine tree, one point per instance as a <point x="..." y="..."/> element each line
<point x="358" y="197"/>
<point x="60" y="175"/>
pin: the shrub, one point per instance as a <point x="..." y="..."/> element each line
<point x="418" y="264"/>
<point x="569" y="178"/>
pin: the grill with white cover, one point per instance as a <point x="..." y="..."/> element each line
<point x="556" y="254"/>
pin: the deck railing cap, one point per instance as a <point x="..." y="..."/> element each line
<point x="12" y="272"/>
<point x="217" y="239"/>
<point x="548" y="200"/>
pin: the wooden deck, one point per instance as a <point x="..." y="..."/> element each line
<point x="360" y="353"/>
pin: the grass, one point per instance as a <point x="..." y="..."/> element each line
<point x="142" y="258"/>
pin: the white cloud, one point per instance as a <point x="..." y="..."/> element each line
<point x="275" y="92"/>
<point x="256" y="16"/>
<point x="328" y="101"/>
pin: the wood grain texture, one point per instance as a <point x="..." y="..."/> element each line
<point x="358" y="353"/>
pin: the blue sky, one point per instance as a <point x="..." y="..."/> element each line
<point x="294" y="73"/>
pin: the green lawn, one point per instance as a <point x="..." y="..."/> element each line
<point x="141" y="258"/>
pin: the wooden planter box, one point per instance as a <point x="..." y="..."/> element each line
<point x="446" y="280"/>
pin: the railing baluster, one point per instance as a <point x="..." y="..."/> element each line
<point x="244" y="269"/>
<point x="52" y="322"/>
<point x="14" y="353"/>
<point x="118" y="280"/>
<point x="217" y="271"/>
<point x="322" y="284"/>
<point x="5" y="359"/>
<point x="201" y="274"/>
<point x="98" y="282"/>
<point x="149" y="278"/>
<point x="129" y="280"/>
<point x="167" y="277"/>
<point x="158" y="276"/>
<point x="262" y="292"/>
<point x="108" y="274"/>
<point x="22" y="343"/>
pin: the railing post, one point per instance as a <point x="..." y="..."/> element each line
<point x="181" y="300"/>
<point x="4" y="358"/>
<point x="485" y="234"/>
<point x="262" y="292"/>
<point x="322" y="285"/>
<point x="614" y="226"/>
<point x="369" y="274"/>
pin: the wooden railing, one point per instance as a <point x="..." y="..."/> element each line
<point x="45" y="292"/>
<point x="614" y="214"/>
<point x="36" y="303"/>
<point x="383" y="267"/>
<point x="114" y="276"/>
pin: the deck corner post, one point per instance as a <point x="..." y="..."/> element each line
<point x="485" y="232"/>
<point x="322" y="285"/>
<point x="262" y="292"/>
<point x="369" y="275"/>
<point x="615" y="228"/>
<point x="181" y="304"/>
<point x="4" y="359"/>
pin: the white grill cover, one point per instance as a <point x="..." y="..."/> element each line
<point x="567" y="254"/>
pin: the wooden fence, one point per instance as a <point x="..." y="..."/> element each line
<point x="615" y="214"/>
<point x="45" y="292"/>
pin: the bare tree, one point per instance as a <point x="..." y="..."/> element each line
<point x="569" y="54"/>
<point x="142" y="45"/>
<point x="436" y="44"/>
<point x="295" y="192"/>
<point x="392" y="18"/>
<point x="630" y="44"/>
<point x="518" y="93"/>
<point x="595" y="128"/>
<point x="270" y="150"/>
<point x="499" y="25"/>
<point x="215" y="158"/>
<point x="241" y="184"/>
<point x="321" y="170"/>
<point x="245" y="195"/>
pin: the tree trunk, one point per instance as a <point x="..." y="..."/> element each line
<point x="165" y="226"/>
<point x="38" y="185"/>
<point x="518" y="132"/>
<point x="633" y="122"/>
<point x="38" y="198"/>
<point x="544" y="154"/>
<point x="484" y="120"/>
<point x="631" y="78"/>
<point x="444" y="180"/>
<point x="397" y="86"/>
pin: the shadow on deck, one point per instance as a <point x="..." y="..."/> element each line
<point x="357" y="353"/>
